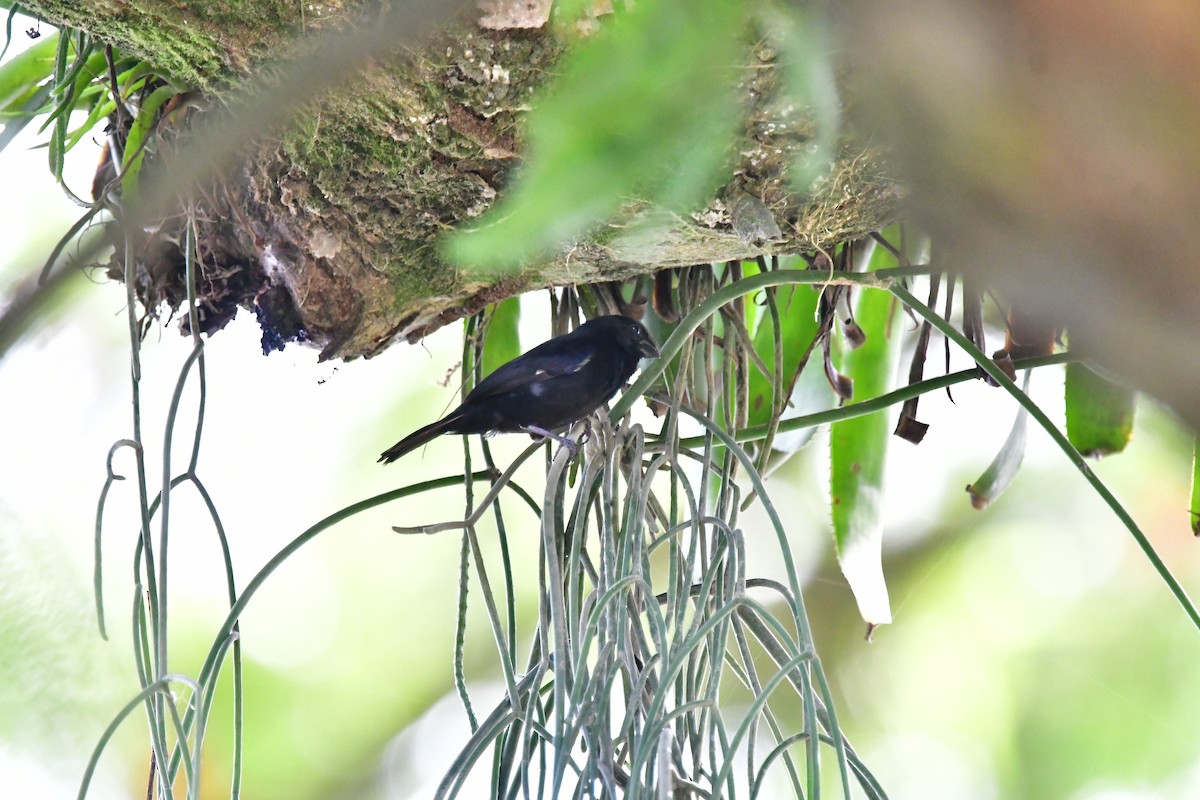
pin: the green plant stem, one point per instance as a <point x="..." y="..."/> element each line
<point x="144" y="695"/>
<point x="756" y="432"/>
<point x="235" y="611"/>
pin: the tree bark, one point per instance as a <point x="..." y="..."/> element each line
<point x="329" y="227"/>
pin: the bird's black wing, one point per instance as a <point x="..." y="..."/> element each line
<point x="555" y="358"/>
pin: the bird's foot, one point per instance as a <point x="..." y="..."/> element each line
<point x="534" y="430"/>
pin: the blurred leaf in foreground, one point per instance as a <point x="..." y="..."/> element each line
<point x="644" y="108"/>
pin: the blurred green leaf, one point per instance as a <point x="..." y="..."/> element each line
<point x="99" y="111"/>
<point x="996" y="479"/>
<point x="810" y="84"/>
<point x="24" y="88"/>
<point x="131" y="80"/>
<point x="644" y="108"/>
<point x="21" y="113"/>
<point x="858" y="449"/>
<point x="503" y="343"/>
<point x="21" y="74"/>
<point x="1099" y="412"/>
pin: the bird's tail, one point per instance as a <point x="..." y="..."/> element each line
<point x="418" y="438"/>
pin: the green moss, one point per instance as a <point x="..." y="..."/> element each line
<point x="412" y="147"/>
<point x="205" y="45"/>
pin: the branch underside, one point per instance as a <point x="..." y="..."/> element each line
<point x="329" y="231"/>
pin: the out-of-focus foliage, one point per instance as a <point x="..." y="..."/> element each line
<point x="643" y="108"/>
<point x="646" y="110"/>
<point x="24" y="86"/>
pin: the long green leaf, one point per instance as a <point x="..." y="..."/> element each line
<point x="21" y="113"/>
<point x="25" y="87"/>
<point x="99" y="111"/>
<point x="130" y="82"/>
<point x="858" y="452"/>
<point x="502" y="344"/>
<point x="70" y="89"/>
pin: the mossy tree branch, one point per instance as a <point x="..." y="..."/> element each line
<point x="329" y="226"/>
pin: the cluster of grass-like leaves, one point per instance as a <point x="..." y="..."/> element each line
<point x="76" y="87"/>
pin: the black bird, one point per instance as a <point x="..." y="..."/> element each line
<point x="556" y="383"/>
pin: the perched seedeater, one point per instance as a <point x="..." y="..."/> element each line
<point x="556" y="383"/>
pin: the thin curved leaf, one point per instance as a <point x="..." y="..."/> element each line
<point x="996" y="479"/>
<point x="12" y="13"/>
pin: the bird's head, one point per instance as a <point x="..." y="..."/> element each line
<point x="629" y="334"/>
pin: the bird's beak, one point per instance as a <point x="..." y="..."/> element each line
<point x="647" y="348"/>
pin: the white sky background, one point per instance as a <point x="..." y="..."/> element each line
<point x="288" y="441"/>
